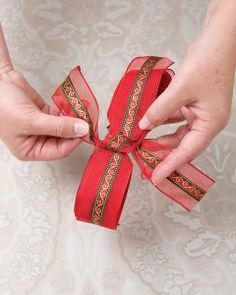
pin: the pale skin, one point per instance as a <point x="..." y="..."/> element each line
<point x="201" y="91"/>
<point x="30" y="128"/>
<point x="200" y="95"/>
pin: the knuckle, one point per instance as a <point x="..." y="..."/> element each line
<point x="60" y="128"/>
<point x="19" y="156"/>
<point x="222" y="119"/>
<point x="6" y="68"/>
<point x="167" y="165"/>
<point x="22" y="158"/>
<point x="180" y="132"/>
<point x="179" y="85"/>
<point x="225" y="119"/>
<point x="153" y="116"/>
<point x="186" y="154"/>
<point x="182" y="88"/>
<point x="154" y="120"/>
<point x="64" y="154"/>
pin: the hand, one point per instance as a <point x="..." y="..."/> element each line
<point x="30" y="128"/>
<point x="201" y="94"/>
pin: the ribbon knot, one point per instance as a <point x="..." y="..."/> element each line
<point x="120" y="143"/>
<point x="105" y="182"/>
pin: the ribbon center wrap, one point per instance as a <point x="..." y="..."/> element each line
<point x="109" y="143"/>
<point x="105" y="182"/>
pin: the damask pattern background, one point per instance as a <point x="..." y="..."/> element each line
<point x="159" y="248"/>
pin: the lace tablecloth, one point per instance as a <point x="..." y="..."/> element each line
<point x="159" y="248"/>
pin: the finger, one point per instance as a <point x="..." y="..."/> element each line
<point x="59" y="126"/>
<point x="188" y="115"/>
<point x="162" y="108"/>
<point x="173" y="140"/>
<point x="57" y="148"/>
<point x="192" y="144"/>
<point x="5" y="60"/>
<point x="52" y="148"/>
<point x="176" y="117"/>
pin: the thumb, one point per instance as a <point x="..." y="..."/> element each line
<point x="59" y="126"/>
<point x="162" y="108"/>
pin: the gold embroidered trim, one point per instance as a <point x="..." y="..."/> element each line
<point x="77" y="104"/>
<point x="176" y="177"/>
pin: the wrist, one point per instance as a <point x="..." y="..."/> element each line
<point x="217" y="40"/>
<point x="211" y="47"/>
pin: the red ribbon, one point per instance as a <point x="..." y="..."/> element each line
<point x="105" y="182"/>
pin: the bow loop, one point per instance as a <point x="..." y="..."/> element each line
<point x="145" y="78"/>
<point x="75" y="98"/>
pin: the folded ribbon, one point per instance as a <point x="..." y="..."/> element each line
<point x="105" y="182"/>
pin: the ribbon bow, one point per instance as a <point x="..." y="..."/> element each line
<point x="105" y="182"/>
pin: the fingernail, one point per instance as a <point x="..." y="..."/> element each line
<point x="144" y="124"/>
<point x="81" y="128"/>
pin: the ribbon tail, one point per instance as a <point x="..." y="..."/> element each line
<point x="103" y="188"/>
<point x="187" y="185"/>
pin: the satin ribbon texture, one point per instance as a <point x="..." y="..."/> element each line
<point x="105" y="182"/>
